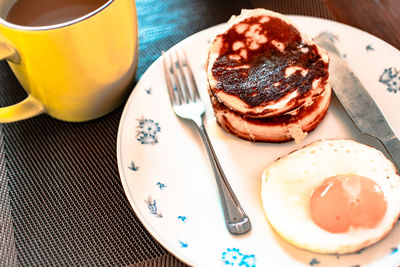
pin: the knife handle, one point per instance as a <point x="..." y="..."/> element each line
<point x="392" y="146"/>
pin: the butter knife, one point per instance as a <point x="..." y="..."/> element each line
<point x="359" y="105"/>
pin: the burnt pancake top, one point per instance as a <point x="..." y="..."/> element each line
<point x="263" y="59"/>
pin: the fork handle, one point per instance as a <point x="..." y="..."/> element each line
<point x="236" y="219"/>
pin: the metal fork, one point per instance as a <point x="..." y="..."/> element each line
<point x="187" y="104"/>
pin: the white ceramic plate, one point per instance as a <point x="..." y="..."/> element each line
<point x="169" y="183"/>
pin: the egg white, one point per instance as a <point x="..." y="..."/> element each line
<point x="288" y="183"/>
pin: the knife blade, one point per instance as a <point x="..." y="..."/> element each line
<point x="357" y="102"/>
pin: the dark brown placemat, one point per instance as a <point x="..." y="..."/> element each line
<point x="380" y="18"/>
<point x="61" y="198"/>
<point x="8" y="254"/>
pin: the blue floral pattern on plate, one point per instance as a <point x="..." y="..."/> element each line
<point x="391" y="78"/>
<point x="161" y="185"/>
<point x="147" y="131"/>
<point x="182" y="218"/>
<point x="152" y="206"/>
<point x="233" y="257"/>
<point x="369" y="48"/>
<point x="133" y="167"/>
<point x="314" y="261"/>
<point x="183" y="244"/>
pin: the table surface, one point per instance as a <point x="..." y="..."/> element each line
<point x="61" y="200"/>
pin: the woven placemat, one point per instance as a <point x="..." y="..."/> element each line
<point x="61" y="200"/>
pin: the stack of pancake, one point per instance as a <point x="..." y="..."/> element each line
<point x="267" y="81"/>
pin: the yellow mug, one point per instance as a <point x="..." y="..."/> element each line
<point x="74" y="71"/>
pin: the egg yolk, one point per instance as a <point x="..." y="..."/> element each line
<point x="345" y="201"/>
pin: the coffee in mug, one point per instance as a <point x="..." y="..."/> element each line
<point x="49" y="12"/>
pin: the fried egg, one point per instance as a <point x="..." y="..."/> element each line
<point x="332" y="196"/>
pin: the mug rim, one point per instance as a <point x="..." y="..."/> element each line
<point x="58" y="25"/>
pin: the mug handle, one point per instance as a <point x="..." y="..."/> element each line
<point x="27" y="108"/>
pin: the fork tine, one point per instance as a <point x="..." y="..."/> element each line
<point x="181" y="97"/>
<point x="170" y="86"/>
<point x="182" y="76"/>
<point x="194" y="86"/>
